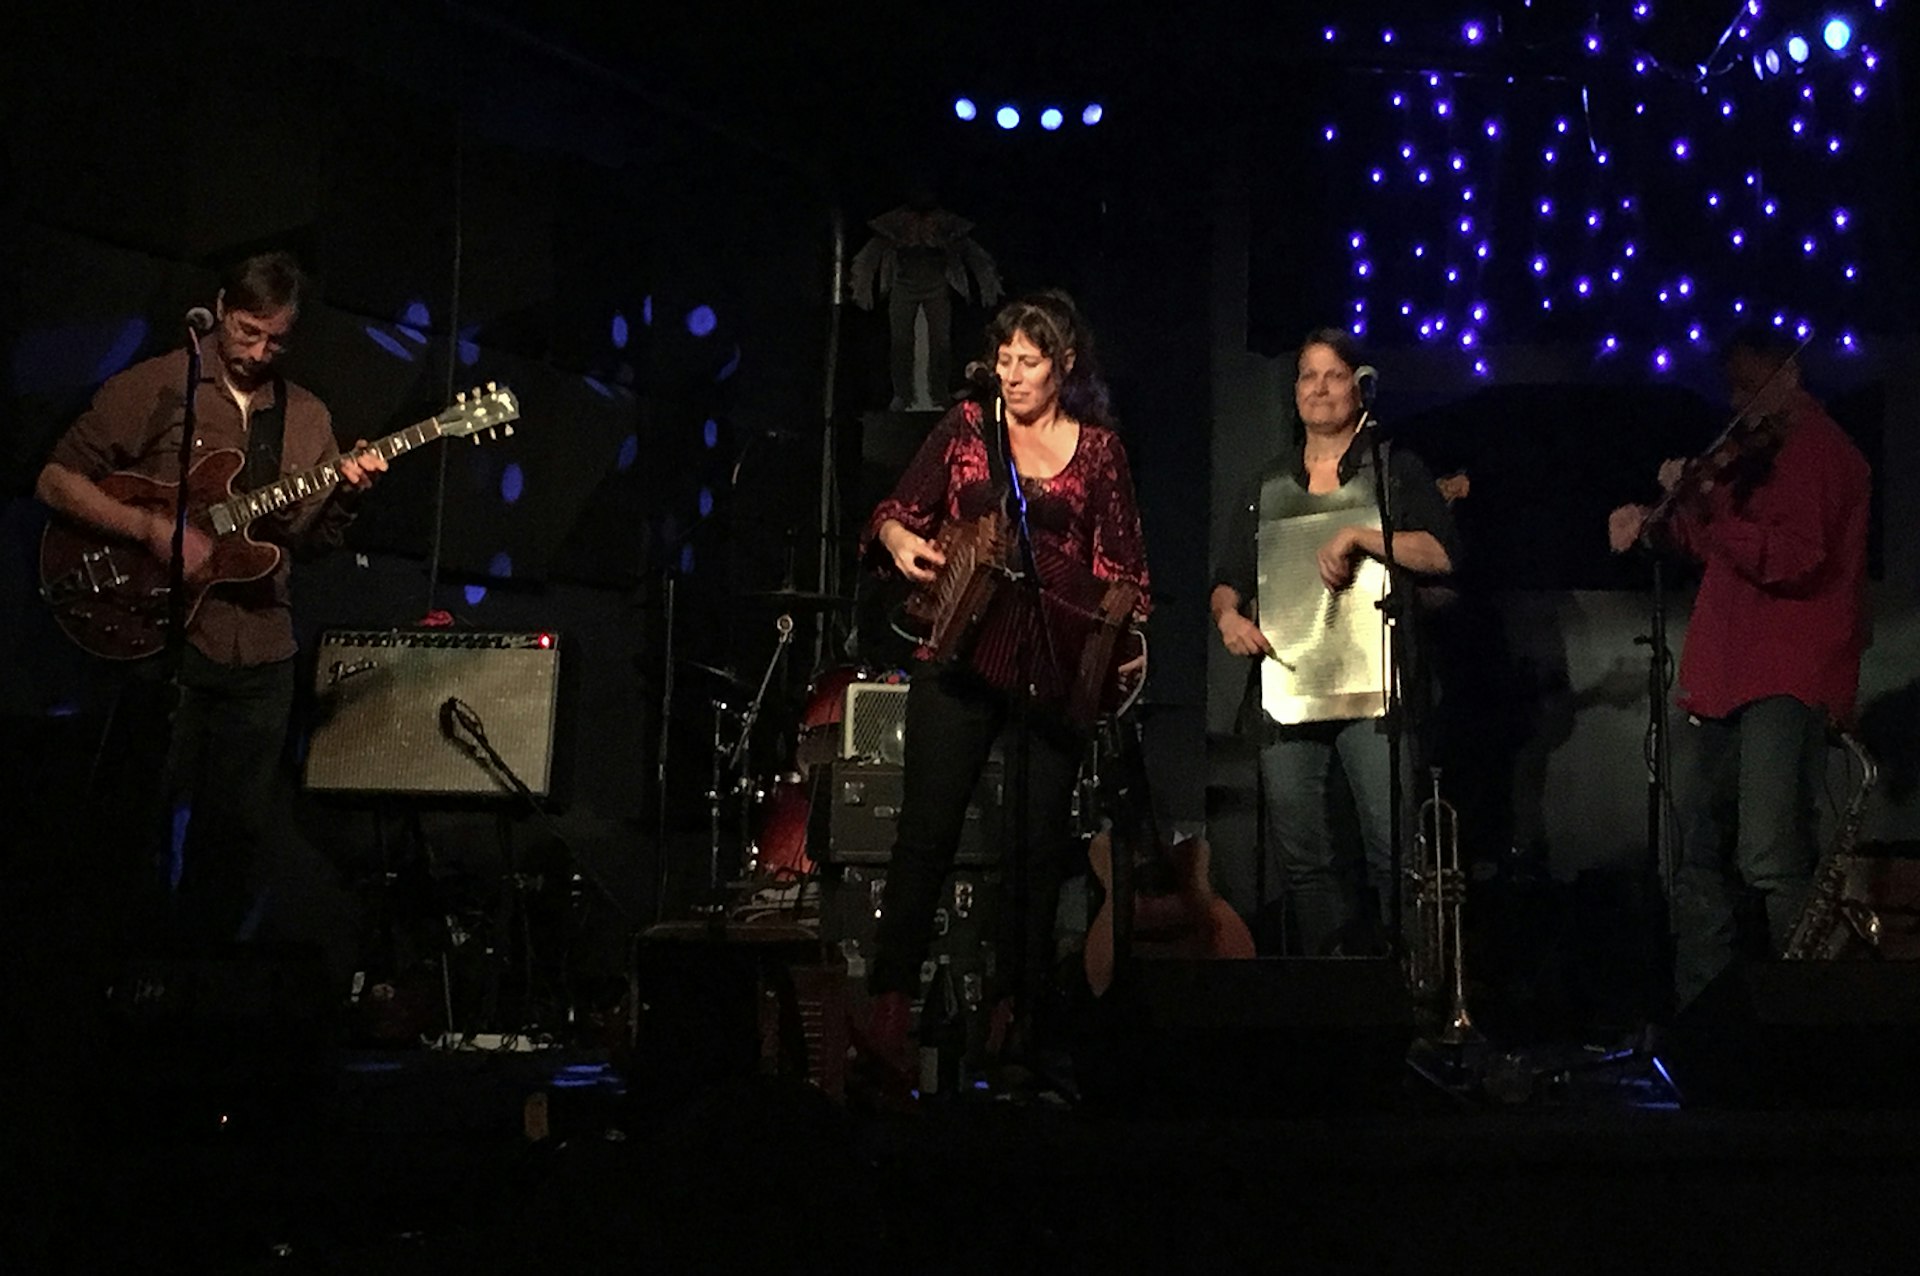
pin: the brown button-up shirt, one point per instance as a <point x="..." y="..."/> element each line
<point x="134" y="423"/>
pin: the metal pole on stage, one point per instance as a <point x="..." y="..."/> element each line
<point x="827" y="578"/>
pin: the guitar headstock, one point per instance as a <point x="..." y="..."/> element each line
<point x="480" y="411"/>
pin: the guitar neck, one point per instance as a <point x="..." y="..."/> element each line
<point x="236" y="512"/>
<point x="1132" y="801"/>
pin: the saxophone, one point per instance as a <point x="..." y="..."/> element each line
<point x="1830" y="923"/>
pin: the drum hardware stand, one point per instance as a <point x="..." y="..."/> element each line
<point x="734" y="759"/>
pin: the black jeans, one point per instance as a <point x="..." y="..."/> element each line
<point x="953" y="720"/>
<point x="222" y="764"/>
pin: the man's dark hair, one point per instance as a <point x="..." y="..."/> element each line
<point x="263" y="283"/>
<point x="1771" y="345"/>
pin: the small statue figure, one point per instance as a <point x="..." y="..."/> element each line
<point x="919" y="251"/>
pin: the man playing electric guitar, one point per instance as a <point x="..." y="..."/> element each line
<point x="236" y="673"/>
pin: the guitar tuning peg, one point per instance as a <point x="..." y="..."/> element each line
<point x="475" y="438"/>
<point x="460" y="397"/>
<point x="506" y="431"/>
<point x="493" y="387"/>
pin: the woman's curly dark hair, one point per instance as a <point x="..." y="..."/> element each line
<point x="1053" y="323"/>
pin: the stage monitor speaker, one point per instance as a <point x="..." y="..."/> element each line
<point x="380" y="698"/>
<point x="1270" y="1036"/>
<point x="1815" y="1034"/>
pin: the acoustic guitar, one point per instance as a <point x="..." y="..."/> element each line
<point x="110" y="595"/>
<point x="1175" y="911"/>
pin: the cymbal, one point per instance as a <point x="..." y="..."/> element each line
<point x="800" y="599"/>
<point x="715" y="671"/>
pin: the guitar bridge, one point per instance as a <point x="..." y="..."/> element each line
<point x="96" y="573"/>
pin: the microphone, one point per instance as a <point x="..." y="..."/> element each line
<point x="982" y="381"/>
<point x="200" y="320"/>
<point x="1367" y="378"/>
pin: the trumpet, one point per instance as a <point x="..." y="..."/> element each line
<point x="1436" y="957"/>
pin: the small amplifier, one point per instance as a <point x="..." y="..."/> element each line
<point x="874" y="726"/>
<point x="381" y="708"/>
<point x="854" y="814"/>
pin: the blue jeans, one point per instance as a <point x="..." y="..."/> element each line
<point x="1318" y="867"/>
<point x="1746" y="788"/>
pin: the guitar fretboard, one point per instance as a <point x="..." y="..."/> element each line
<point x="236" y="512"/>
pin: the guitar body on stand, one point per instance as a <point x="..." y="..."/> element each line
<point x="1162" y="890"/>
<point x="110" y="595"/>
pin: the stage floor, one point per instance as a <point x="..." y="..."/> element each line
<point x="421" y="1161"/>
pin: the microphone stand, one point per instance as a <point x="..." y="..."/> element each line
<point x="736" y="759"/>
<point x="1659" y="728"/>
<point x="1390" y="616"/>
<point x="177" y="562"/>
<point x="1017" y="789"/>
<point x="456" y="716"/>
<point x="173" y="691"/>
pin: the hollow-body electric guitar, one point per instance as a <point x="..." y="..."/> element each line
<point x="110" y="595"/>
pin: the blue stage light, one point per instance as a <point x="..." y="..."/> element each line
<point x="964" y="109"/>
<point x="1007" y="117"/>
<point x="1051" y="119"/>
<point x="1093" y="114"/>
<point x="1838" y="34"/>
<point x="1798" y="49"/>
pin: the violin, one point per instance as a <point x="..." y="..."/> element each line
<point x="1740" y="458"/>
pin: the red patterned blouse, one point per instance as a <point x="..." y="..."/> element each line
<point x="1086" y="514"/>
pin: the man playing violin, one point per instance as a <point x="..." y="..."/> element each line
<point x="1778" y="518"/>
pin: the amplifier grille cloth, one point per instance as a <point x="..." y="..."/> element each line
<point x="875" y="723"/>
<point x="378" y="697"/>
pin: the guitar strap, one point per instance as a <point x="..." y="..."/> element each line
<point x="266" y="430"/>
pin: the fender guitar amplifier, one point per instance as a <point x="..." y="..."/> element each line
<point x="379" y="701"/>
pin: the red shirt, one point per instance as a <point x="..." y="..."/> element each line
<point x="1085" y="513"/>
<point x="1782" y="607"/>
